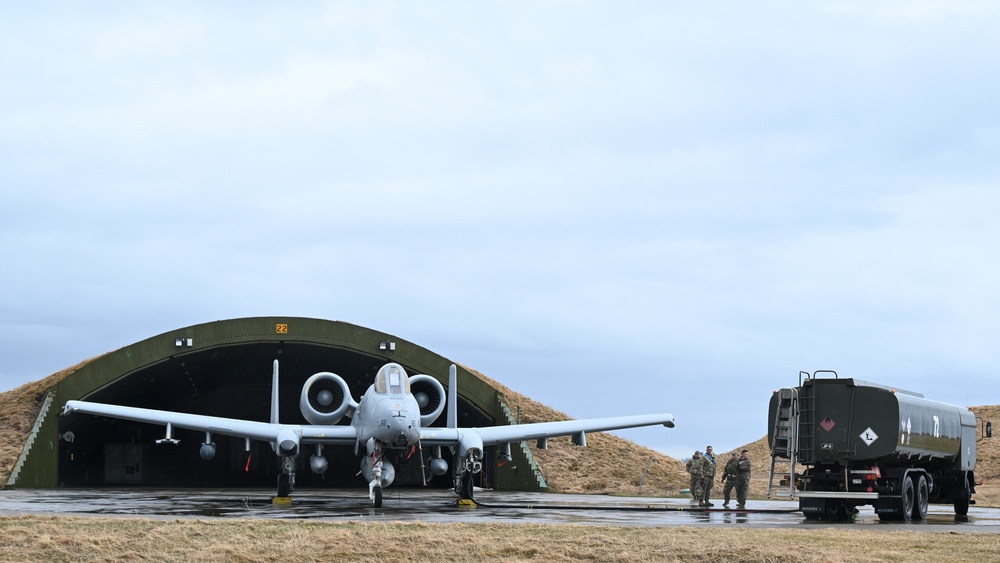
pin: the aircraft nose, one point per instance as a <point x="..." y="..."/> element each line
<point x="403" y="432"/>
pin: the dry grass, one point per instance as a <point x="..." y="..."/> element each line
<point x="18" y="410"/>
<point x="43" y="538"/>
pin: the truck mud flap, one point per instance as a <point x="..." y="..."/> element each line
<point x="812" y="505"/>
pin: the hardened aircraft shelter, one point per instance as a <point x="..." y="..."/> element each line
<point x="224" y="368"/>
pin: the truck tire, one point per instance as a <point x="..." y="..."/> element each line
<point x="962" y="500"/>
<point x="907" y="499"/>
<point x="921" y="499"/>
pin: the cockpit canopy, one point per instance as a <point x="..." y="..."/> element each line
<point x="392" y="379"/>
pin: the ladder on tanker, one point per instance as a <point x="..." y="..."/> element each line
<point x="784" y="445"/>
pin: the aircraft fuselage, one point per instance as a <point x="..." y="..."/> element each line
<point x="392" y="420"/>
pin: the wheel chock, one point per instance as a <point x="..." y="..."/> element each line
<point x="466" y="503"/>
<point x="281" y="500"/>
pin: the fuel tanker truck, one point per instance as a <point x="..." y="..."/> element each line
<point x="838" y="443"/>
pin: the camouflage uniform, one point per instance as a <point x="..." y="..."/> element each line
<point x="742" y="480"/>
<point x="694" y="467"/>
<point x="729" y="478"/>
<point x="707" y="477"/>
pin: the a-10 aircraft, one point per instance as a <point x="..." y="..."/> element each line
<point x="392" y="418"/>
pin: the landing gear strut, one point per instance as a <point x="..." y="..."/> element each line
<point x="375" y="485"/>
<point x="286" y="479"/>
<point x="375" y="477"/>
<point x="464" y="473"/>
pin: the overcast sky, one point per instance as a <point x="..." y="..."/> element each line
<point x="614" y="207"/>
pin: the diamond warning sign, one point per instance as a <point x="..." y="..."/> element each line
<point x="868" y="436"/>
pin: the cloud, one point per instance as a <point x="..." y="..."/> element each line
<point x="630" y="208"/>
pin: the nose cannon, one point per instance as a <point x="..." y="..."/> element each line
<point x="401" y="432"/>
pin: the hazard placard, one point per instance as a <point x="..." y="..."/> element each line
<point x="868" y="436"/>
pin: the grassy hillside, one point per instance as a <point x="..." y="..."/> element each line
<point x="18" y="410"/>
<point x="608" y="465"/>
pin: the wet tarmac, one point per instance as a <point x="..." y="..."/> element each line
<point x="423" y="505"/>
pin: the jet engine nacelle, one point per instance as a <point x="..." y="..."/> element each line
<point x="325" y="399"/>
<point x="430" y="396"/>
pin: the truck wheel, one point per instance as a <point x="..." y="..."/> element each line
<point x="907" y="499"/>
<point x="837" y="511"/>
<point x="962" y="501"/>
<point x="845" y="513"/>
<point x="920" y="506"/>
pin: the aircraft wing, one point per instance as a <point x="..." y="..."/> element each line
<point x="264" y="431"/>
<point x="493" y="435"/>
<point x="320" y="434"/>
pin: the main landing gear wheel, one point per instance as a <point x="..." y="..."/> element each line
<point x="377" y="497"/>
<point x="284" y="485"/>
<point x="466" y="492"/>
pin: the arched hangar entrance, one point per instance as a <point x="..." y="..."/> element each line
<point x="224" y="369"/>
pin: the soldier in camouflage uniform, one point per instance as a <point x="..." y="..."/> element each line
<point x="729" y="477"/>
<point x="694" y="468"/>
<point x="743" y="478"/>
<point x="707" y="476"/>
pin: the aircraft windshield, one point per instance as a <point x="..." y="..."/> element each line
<point x="392" y="379"/>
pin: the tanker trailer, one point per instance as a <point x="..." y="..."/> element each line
<point x="859" y="443"/>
